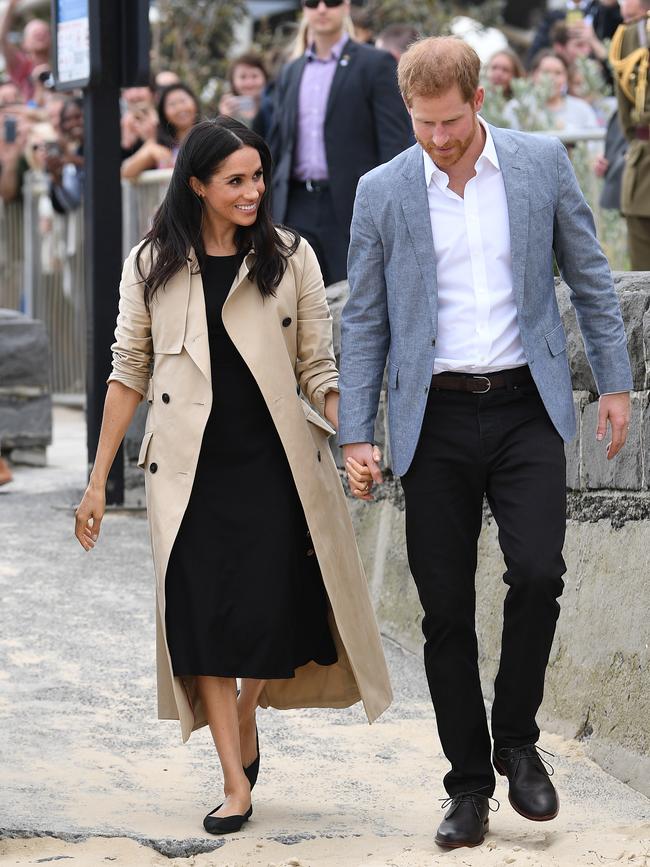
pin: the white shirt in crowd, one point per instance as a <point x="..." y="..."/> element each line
<point x="477" y="314"/>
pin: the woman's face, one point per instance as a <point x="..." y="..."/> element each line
<point x="500" y="71"/>
<point x="234" y="192"/>
<point x="180" y="110"/>
<point x="248" y="80"/>
<point x="552" y="68"/>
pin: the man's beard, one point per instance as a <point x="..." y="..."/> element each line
<point x="457" y="149"/>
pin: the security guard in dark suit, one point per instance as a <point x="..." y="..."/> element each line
<point x="630" y="61"/>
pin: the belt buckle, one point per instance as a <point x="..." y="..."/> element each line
<point x="489" y="384"/>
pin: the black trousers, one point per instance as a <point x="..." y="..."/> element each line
<point x="313" y="216"/>
<point x="503" y="445"/>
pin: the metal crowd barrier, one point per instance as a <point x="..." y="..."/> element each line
<point x="42" y="253"/>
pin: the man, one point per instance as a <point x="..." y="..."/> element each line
<point x="630" y="60"/>
<point x="596" y="18"/>
<point x="338" y="113"/>
<point x="36" y="46"/>
<point x="451" y="279"/>
<point x="396" y="38"/>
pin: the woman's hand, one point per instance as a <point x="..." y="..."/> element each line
<point x="89" y="514"/>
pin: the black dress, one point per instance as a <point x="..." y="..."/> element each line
<point x="244" y="593"/>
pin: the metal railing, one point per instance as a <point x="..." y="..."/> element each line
<point x="42" y="269"/>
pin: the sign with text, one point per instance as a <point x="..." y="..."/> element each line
<point x="72" y="43"/>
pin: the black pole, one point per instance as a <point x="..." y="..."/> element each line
<point x="103" y="223"/>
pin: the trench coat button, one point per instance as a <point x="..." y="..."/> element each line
<point x="153" y="468"/>
<point x="286" y="322"/>
<point x="165" y="398"/>
<point x="318" y="454"/>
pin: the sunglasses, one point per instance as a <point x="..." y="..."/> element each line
<point x="313" y="4"/>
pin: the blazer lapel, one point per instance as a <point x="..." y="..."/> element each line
<point x="343" y="66"/>
<point x="293" y="87"/>
<point x="515" y="181"/>
<point x="415" y="206"/>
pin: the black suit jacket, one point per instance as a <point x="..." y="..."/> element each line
<point x="366" y="124"/>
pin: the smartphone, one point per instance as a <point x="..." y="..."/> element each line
<point x="53" y="149"/>
<point x="10" y="130"/>
<point x="574" y="16"/>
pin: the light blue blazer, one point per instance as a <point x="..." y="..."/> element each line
<point x="391" y="314"/>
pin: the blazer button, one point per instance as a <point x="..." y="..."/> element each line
<point x="286" y="322"/>
<point x="153" y="468"/>
<point x="165" y="398"/>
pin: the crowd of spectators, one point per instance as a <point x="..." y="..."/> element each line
<point x="561" y="84"/>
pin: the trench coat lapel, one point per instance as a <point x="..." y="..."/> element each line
<point x="515" y="181"/>
<point x="415" y="206"/>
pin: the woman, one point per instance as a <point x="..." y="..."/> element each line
<point x="248" y="79"/>
<point x="178" y="112"/>
<point x="258" y="575"/>
<point x="560" y="111"/>
<point x="502" y="68"/>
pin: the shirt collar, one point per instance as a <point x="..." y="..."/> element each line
<point x="336" y="51"/>
<point x="488" y="154"/>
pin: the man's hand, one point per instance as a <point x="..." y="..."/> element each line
<point x="615" y="409"/>
<point x="362" y="466"/>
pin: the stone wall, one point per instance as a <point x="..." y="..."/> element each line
<point x="598" y="683"/>
<point x="25" y="399"/>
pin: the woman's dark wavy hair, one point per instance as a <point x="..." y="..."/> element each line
<point x="167" y="132"/>
<point x="178" y="222"/>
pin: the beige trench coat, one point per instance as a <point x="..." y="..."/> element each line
<point x="286" y="341"/>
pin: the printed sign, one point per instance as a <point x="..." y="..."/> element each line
<point x="72" y="43"/>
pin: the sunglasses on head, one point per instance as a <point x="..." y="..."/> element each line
<point x="313" y="4"/>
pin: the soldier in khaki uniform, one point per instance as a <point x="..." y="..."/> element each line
<point x="630" y="61"/>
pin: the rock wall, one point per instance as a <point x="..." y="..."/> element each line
<point x="25" y="399"/>
<point x="598" y="682"/>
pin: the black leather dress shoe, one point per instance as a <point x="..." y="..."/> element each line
<point x="531" y="792"/>
<point x="225" y="824"/>
<point x="466" y="821"/>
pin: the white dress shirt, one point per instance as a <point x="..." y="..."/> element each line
<point x="477" y="315"/>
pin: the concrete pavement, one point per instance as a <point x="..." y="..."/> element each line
<point x="89" y="774"/>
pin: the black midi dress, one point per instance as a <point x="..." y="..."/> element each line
<point x="244" y="593"/>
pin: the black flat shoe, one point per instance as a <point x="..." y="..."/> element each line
<point x="466" y="821"/>
<point x="254" y="768"/>
<point x="225" y="824"/>
<point x="530" y="791"/>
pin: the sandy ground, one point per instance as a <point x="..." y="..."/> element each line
<point x="88" y="775"/>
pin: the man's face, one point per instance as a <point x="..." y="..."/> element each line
<point x="632" y="9"/>
<point x="445" y="125"/>
<point x="326" y="20"/>
<point x="577" y="46"/>
<point x="36" y="38"/>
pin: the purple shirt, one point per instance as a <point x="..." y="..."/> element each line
<point x="309" y="158"/>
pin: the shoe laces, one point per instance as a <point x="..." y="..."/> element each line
<point x="528" y="751"/>
<point x="469" y="796"/>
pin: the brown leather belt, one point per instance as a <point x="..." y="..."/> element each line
<point x="481" y="383"/>
<point x="642" y="133"/>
